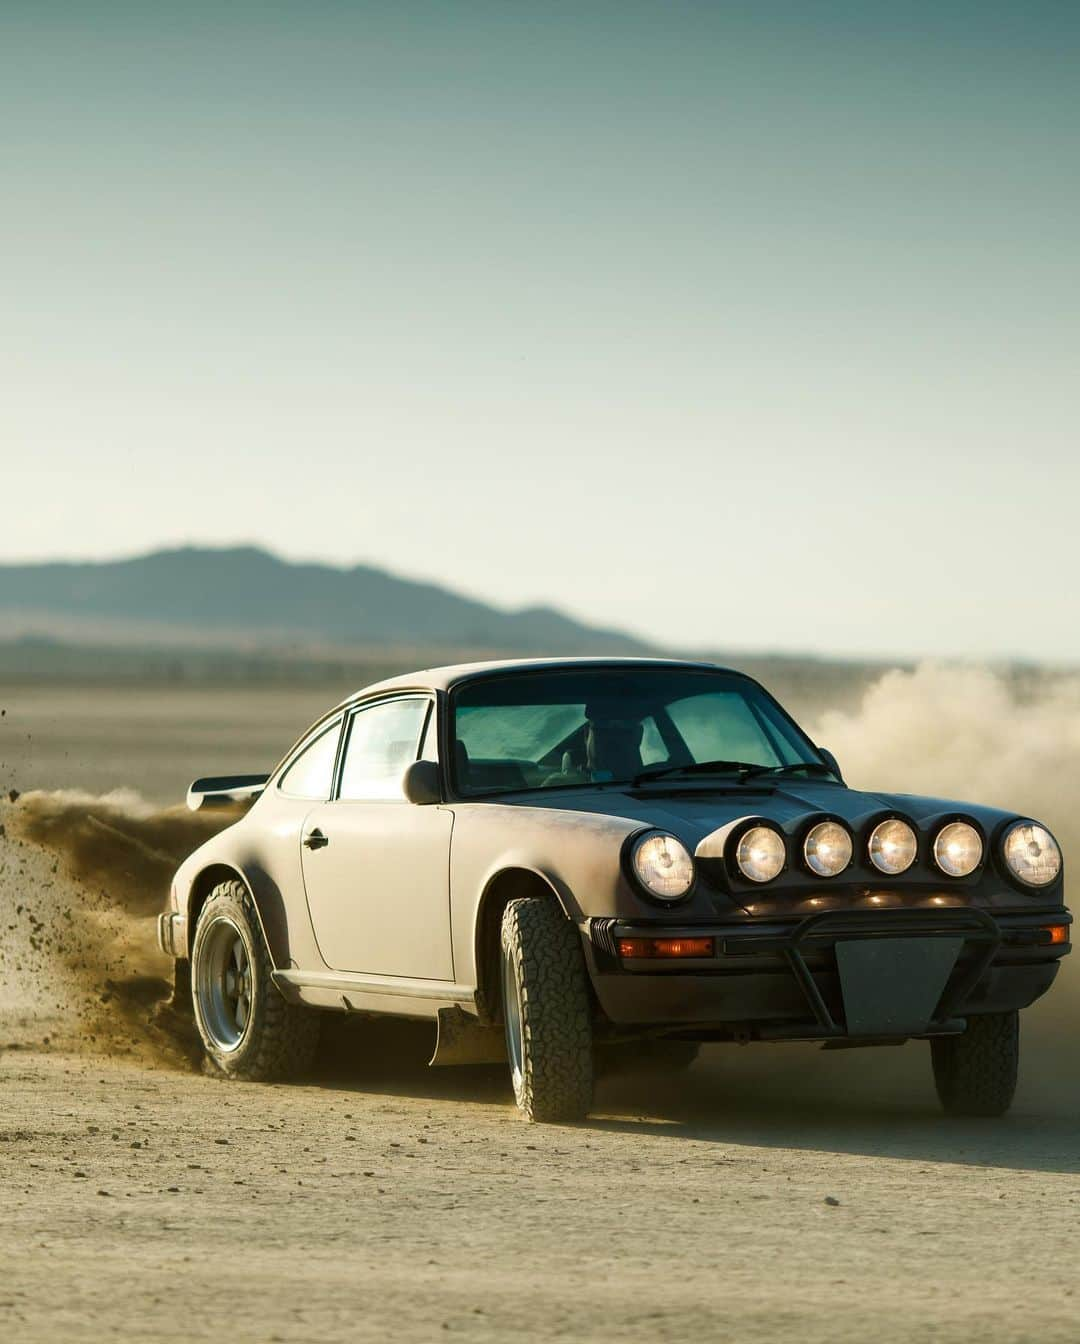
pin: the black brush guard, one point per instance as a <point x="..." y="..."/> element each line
<point x="974" y="935"/>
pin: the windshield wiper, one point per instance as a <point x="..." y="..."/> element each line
<point x="812" y="767"/>
<point x="698" y="768"/>
<point x="743" y="769"/>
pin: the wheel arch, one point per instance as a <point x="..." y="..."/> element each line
<point x="199" y="892"/>
<point x="508" y="884"/>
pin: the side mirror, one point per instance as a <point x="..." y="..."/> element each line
<point x="421" y="783"/>
<point x="831" y="761"/>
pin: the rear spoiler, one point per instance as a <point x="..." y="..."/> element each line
<point x="222" y="790"/>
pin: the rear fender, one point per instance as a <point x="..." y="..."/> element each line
<point x="265" y="895"/>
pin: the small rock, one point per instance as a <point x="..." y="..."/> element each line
<point x="832" y="1202"/>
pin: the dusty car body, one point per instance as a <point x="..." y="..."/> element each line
<point x="555" y="858"/>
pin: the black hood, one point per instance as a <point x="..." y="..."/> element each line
<point x="718" y="812"/>
<point x="692" y="814"/>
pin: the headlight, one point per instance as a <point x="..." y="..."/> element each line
<point x="893" y="846"/>
<point x="761" y="854"/>
<point x="827" y="849"/>
<point x="1032" y="854"/>
<point x="958" y="849"/>
<point x="663" y="866"/>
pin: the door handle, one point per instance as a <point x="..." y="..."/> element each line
<point x="315" y="839"/>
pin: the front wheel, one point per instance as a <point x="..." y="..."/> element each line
<point x="976" y="1073"/>
<point x="546" y="1012"/>
<point x="248" y="1030"/>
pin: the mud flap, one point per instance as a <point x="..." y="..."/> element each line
<point x="463" y="1039"/>
<point x="892" y="986"/>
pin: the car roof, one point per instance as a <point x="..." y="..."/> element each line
<point x="443" y="678"/>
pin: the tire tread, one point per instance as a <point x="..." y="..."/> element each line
<point x="557" y="1074"/>
<point x="976" y="1073"/>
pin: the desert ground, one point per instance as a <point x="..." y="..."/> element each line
<point x="772" y="1193"/>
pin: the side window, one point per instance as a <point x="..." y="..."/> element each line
<point x="311" y="773"/>
<point x="382" y="742"/>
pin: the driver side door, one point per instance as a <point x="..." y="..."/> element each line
<point x="376" y="867"/>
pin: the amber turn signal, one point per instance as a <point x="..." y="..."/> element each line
<point x="666" y="947"/>
<point x="1059" y="933"/>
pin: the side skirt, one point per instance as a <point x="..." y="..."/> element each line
<point x="391" y="995"/>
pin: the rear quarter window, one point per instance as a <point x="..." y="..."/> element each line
<point x="311" y="774"/>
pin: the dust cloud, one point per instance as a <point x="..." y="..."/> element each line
<point x="117" y="842"/>
<point x="967" y="733"/>
<point x="83" y="922"/>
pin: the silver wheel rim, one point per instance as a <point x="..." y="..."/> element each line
<point x="224" y="984"/>
<point x="515" y="1040"/>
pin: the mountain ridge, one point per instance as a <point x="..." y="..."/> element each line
<point x="211" y="591"/>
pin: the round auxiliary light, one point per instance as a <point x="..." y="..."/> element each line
<point x="1032" y="854"/>
<point x="663" y="866"/>
<point x="761" y="854"/>
<point x="827" y="849"/>
<point x="893" y="846"/>
<point x="958" y="849"/>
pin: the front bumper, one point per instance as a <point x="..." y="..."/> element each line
<point x="897" y="973"/>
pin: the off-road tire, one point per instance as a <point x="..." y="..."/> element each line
<point x="554" y="1012"/>
<point x="975" y="1073"/>
<point x="280" y="1039"/>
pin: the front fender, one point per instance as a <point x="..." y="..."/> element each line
<point x="576" y="855"/>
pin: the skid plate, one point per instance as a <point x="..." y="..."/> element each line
<point x="892" y="986"/>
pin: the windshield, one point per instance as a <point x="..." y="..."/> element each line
<point x="556" y="729"/>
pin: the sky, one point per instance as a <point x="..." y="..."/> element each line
<point x="738" y="325"/>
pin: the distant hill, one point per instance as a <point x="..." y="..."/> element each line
<point x="247" y="596"/>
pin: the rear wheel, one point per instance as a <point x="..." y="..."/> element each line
<point x="976" y="1073"/>
<point x="546" y="1011"/>
<point x="248" y="1030"/>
